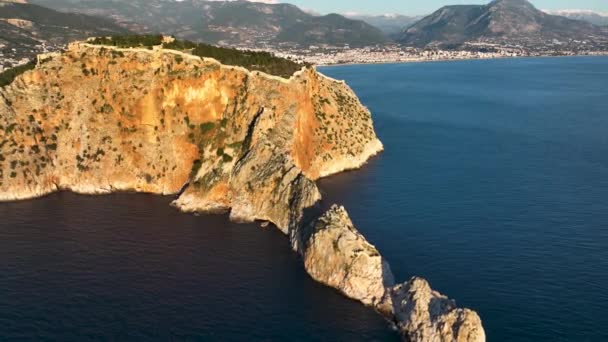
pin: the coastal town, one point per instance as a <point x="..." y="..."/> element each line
<point x="389" y="53"/>
<point x="401" y="54"/>
<point x="11" y="57"/>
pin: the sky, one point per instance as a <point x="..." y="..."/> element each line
<point x="418" y="7"/>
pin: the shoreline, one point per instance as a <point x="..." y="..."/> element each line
<point x="453" y="60"/>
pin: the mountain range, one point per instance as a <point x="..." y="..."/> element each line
<point x="390" y="24"/>
<point x="34" y="26"/>
<point x="24" y="27"/>
<point x="228" y="22"/>
<point x="500" y="20"/>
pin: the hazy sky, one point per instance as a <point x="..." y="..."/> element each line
<point x="416" y="7"/>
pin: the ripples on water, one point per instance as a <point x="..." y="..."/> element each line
<point x="493" y="185"/>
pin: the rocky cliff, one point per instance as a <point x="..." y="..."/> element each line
<point x="96" y="119"/>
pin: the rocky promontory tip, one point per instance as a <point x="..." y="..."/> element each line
<point x="422" y="314"/>
<point x="97" y="119"/>
<point x="337" y="255"/>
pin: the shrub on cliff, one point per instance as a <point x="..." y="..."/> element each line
<point x="207" y="127"/>
<point x="252" y="60"/>
<point x="7" y="76"/>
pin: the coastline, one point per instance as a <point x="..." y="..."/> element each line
<point x="454" y="60"/>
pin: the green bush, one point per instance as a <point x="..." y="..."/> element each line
<point x="207" y="127"/>
<point x="107" y="108"/>
<point x="227" y="158"/>
<point x="127" y="41"/>
<point x="195" y="167"/>
<point x="252" y="60"/>
<point x="8" y="76"/>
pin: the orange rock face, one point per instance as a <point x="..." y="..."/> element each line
<point x="99" y="119"/>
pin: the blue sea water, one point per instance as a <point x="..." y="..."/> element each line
<point x="493" y="186"/>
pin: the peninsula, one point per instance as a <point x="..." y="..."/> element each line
<point x="158" y="118"/>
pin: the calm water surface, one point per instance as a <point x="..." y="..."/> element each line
<point x="129" y="267"/>
<point x="493" y="185"/>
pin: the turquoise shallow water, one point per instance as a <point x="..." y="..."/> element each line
<point x="493" y="185"/>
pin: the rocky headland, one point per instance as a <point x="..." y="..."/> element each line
<point x="222" y="139"/>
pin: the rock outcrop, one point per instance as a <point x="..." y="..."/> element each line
<point x="422" y="314"/>
<point x="337" y="255"/>
<point x="98" y="119"/>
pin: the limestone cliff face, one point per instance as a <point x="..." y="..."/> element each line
<point x="97" y="119"/>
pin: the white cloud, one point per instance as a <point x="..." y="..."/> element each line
<point x="575" y="11"/>
<point x="310" y="11"/>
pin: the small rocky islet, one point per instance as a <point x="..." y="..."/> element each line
<point x="97" y="119"/>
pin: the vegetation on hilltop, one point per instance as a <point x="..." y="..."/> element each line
<point x="252" y="60"/>
<point x="8" y="76"/>
<point x="131" y="40"/>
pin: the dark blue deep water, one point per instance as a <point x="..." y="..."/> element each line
<point x="493" y="185"/>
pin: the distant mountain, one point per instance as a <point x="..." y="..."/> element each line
<point x="508" y="20"/>
<point x="26" y="28"/>
<point x="595" y="18"/>
<point x="227" y="22"/>
<point x="390" y="24"/>
<point x="331" y="29"/>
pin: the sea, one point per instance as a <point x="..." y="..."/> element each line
<point x="493" y="186"/>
